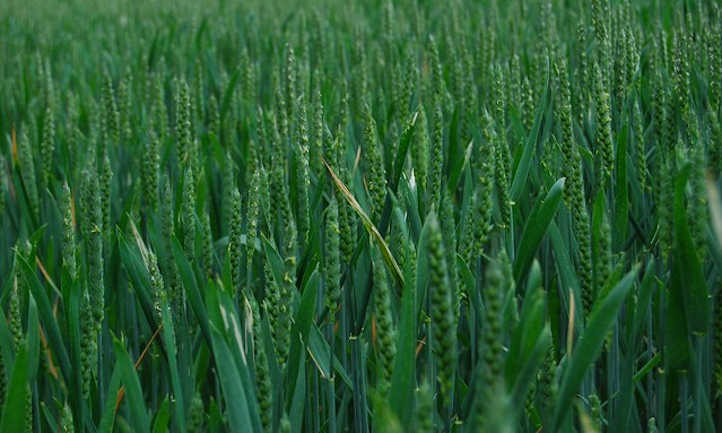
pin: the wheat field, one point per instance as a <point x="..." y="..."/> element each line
<point x="379" y="216"/>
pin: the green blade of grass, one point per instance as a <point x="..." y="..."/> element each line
<point x="191" y="287"/>
<point x="162" y="418"/>
<point x="318" y="349"/>
<point x="170" y="348"/>
<point x="401" y="394"/>
<point x="589" y="346"/>
<point x="531" y="324"/>
<point x="301" y="328"/>
<point x="33" y="338"/>
<point x="14" y="414"/>
<point x="139" y="412"/>
<point x="239" y="417"/>
<point x="47" y="318"/>
<point x="694" y="289"/>
<point x="108" y="416"/>
<point x="535" y="228"/>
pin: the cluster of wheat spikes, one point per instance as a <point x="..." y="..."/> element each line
<point x="390" y="216"/>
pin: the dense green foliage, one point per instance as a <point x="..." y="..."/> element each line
<point x="412" y="216"/>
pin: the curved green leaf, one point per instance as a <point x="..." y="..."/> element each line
<point x="589" y="346"/>
<point x="134" y="393"/>
<point x="170" y="348"/>
<point x="239" y="419"/>
<point x="33" y="337"/>
<point x="108" y="416"/>
<point x="15" y="409"/>
<point x="536" y="227"/>
<point x="695" y="293"/>
<point x="50" y="325"/>
<point x="401" y="394"/>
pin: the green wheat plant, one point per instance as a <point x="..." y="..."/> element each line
<point x="347" y="217"/>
